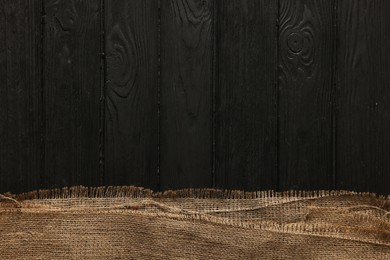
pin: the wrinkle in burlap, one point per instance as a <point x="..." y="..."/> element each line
<point x="136" y="223"/>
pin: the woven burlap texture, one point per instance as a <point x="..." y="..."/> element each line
<point x="137" y="223"/>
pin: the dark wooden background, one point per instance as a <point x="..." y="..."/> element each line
<point x="243" y="94"/>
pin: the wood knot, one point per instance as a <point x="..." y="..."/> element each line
<point x="295" y="42"/>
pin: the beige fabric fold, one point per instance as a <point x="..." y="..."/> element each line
<point x="136" y="223"/>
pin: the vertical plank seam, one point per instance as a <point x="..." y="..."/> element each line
<point x="30" y="19"/>
<point x="7" y="101"/>
<point x="102" y="92"/>
<point x="277" y="98"/>
<point x="213" y="98"/>
<point x="158" y="94"/>
<point x="43" y="100"/>
<point x="334" y="86"/>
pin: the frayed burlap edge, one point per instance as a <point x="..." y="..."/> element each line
<point x="199" y="193"/>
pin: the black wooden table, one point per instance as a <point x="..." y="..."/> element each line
<point x="243" y="94"/>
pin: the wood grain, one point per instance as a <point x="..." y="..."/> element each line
<point x="20" y="98"/>
<point x="239" y="94"/>
<point x="131" y="152"/>
<point x="186" y="93"/>
<point x="363" y="96"/>
<point x="71" y="92"/>
<point x="305" y="94"/>
<point x="246" y="95"/>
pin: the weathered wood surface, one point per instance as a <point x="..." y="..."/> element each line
<point x="305" y="94"/>
<point x="238" y="94"/>
<point x="71" y="92"/>
<point x="20" y="95"/>
<point x="363" y="95"/>
<point x="246" y="95"/>
<point x="187" y="30"/>
<point x="131" y="114"/>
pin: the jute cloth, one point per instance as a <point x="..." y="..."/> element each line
<point x="136" y="223"/>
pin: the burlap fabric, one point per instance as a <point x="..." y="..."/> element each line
<point x="136" y="223"/>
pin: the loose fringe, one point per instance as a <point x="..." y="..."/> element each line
<point x="204" y="193"/>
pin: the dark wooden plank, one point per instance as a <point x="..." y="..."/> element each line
<point x="186" y="93"/>
<point x="305" y="94"/>
<point x="20" y="95"/>
<point x="363" y="96"/>
<point x="246" y="95"/>
<point x="131" y="152"/>
<point x="72" y="92"/>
